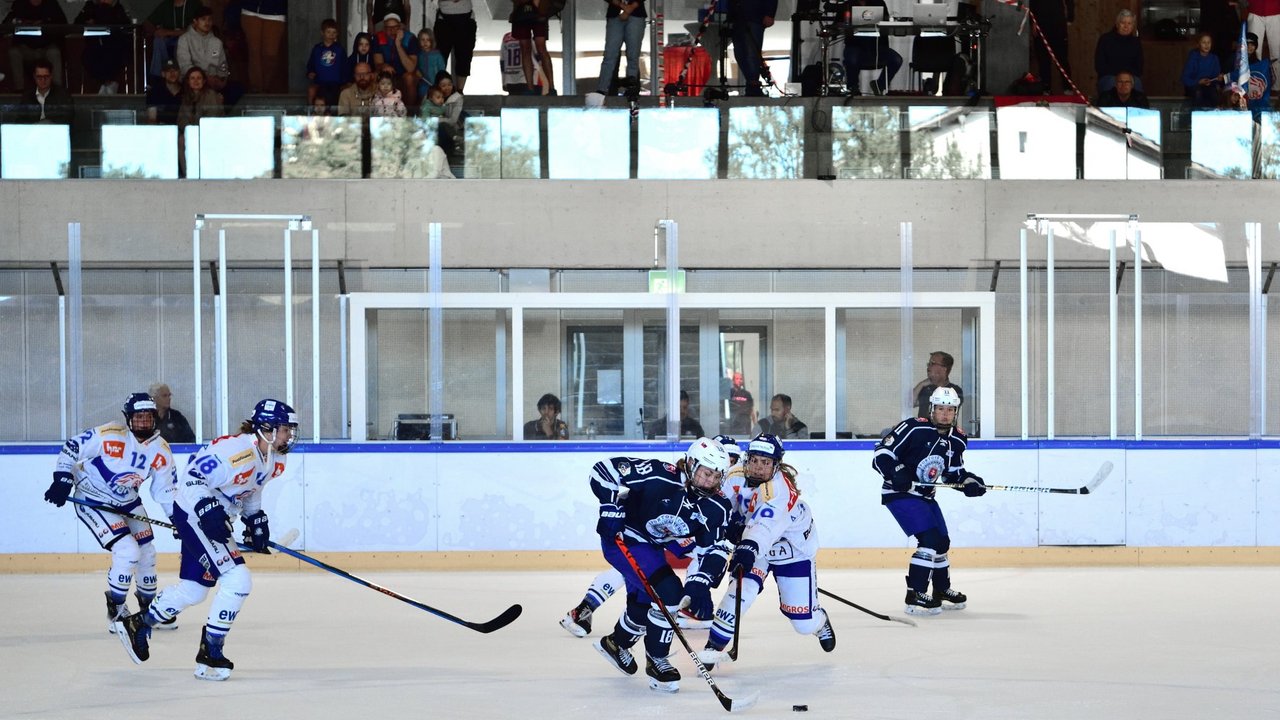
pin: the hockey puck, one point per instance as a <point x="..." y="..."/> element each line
<point x="799" y="708"/>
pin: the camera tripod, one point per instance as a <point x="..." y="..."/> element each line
<point x="723" y="29"/>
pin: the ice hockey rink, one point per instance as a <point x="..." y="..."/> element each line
<point x="1095" y="643"/>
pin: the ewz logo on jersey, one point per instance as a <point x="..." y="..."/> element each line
<point x="666" y="527"/>
<point x="931" y="468"/>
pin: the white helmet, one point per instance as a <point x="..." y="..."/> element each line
<point x="943" y="397"/>
<point x="705" y="452"/>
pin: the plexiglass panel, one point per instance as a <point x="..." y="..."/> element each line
<point x="588" y="144"/>
<point x="1221" y="145"/>
<point x="864" y="142"/>
<point x="140" y="151"/>
<point x="1269" y="146"/>
<point x="681" y="144"/>
<point x="35" y="152"/>
<point x="484" y="147"/>
<point x="320" y="146"/>
<point x="949" y="143"/>
<point x="521" y="143"/>
<point x="404" y="148"/>
<point x="1122" y="143"/>
<point x="1037" y="143"/>
<point x="766" y="143"/>
<point x="237" y="148"/>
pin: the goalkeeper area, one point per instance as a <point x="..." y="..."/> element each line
<point x="1109" y="643"/>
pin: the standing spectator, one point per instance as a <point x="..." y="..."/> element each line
<point x="1123" y="94"/>
<point x="1119" y="50"/>
<point x="105" y="57"/>
<point x="1258" y="95"/>
<point x="361" y="52"/>
<point x="265" y="32"/>
<point x="750" y="18"/>
<point x="1052" y="16"/>
<point x="326" y="66"/>
<point x="742" y="407"/>
<point x="456" y="32"/>
<point x="689" y="426"/>
<point x="199" y="47"/>
<point x="624" y="22"/>
<point x="938" y="374"/>
<point x="1264" y="21"/>
<point x="388" y="102"/>
<point x="357" y="99"/>
<point x="26" y="49"/>
<point x="45" y="101"/>
<point x="1220" y="19"/>
<point x="781" y="422"/>
<point x="1202" y="75"/>
<point x="548" y="426"/>
<point x="511" y="62"/>
<point x="164" y="26"/>
<point x="529" y="26"/>
<point x="430" y="61"/>
<point x="173" y="426"/>
<point x="164" y="96"/>
<point x="397" y="49"/>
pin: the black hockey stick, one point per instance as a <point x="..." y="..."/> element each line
<point x="737" y="618"/>
<point x="1092" y="485"/>
<point x="286" y="539"/>
<point x="726" y="702"/>
<point x="872" y="613"/>
<point x="499" y="622"/>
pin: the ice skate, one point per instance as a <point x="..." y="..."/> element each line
<point x="919" y="603"/>
<point x="145" y="604"/>
<point x="134" y="635"/>
<point x="952" y="600"/>
<point x="663" y="676"/>
<point x="826" y="636"/>
<point x="211" y="664"/>
<point x="115" y="611"/>
<point x="618" y="656"/>
<point x="686" y="621"/>
<point x="578" y="620"/>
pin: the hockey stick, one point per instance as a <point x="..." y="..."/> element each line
<point x="726" y="702"/>
<point x="1092" y="485"/>
<point x="872" y="613"/>
<point x="288" y="538"/>
<point x="737" y="618"/>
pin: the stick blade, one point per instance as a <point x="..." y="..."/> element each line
<point x="904" y="621"/>
<point x="289" y="537"/>
<point x="740" y="704"/>
<point x="1101" y="475"/>
<point x="507" y="617"/>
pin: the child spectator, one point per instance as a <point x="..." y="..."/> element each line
<point x="1258" y="94"/>
<point x="1202" y="74"/>
<point x="396" y="48"/>
<point x="320" y="107"/>
<point x="434" y="106"/>
<point x="512" y="64"/>
<point x="361" y="52"/>
<point x="326" y="65"/>
<point x="451" y="122"/>
<point x="430" y="61"/>
<point x="387" y="103"/>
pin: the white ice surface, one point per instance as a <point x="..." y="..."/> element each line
<point x="1091" y="644"/>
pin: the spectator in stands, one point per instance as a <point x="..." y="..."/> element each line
<point x="164" y="26"/>
<point x="781" y="422"/>
<point x="750" y="18"/>
<point x="1264" y="21"/>
<point x="1258" y="96"/>
<point x="164" y="96"/>
<point x="624" y="22"/>
<point x="26" y="49"/>
<point x="1052" y="16"/>
<point x="430" y="61"/>
<point x="199" y="47"/>
<point x="1119" y="50"/>
<point x="548" y="426"/>
<point x="937" y="374"/>
<point x="1124" y="94"/>
<point x="1220" y="19"/>
<point x="173" y="426"/>
<point x="689" y="426"/>
<point x="327" y="65"/>
<point x="396" y="48"/>
<point x="46" y="101"/>
<point x="104" y="58"/>
<point x="869" y="53"/>
<point x="452" y="99"/>
<point x="1202" y="75"/>
<point x="387" y="102"/>
<point x="530" y="27"/>
<point x="199" y="99"/>
<point x="361" y="52"/>
<point x="433" y="106"/>
<point x="381" y="8"/>
<point x="265" y="30"/>
<point x="456" y="33"/>
<point x="511" y="64"/>
<point x="357" y="99"/>
<point x="742" y="407"/>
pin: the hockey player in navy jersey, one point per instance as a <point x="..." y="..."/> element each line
<point x="914" y="457"/>
<point x="651" y="503"/>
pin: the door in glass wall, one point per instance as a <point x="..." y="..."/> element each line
<point x="744" y="378"/>
<point x="596" y="365"/>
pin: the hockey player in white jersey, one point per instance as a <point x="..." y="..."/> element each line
<point x="779" y="538"/>
<point x="106" y="465"/>
<point x="578" y="620"/>
<point x="224" y="479"/>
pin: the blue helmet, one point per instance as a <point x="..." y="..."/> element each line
<point x="140" y="404"/>
<point x="730" y="446"/>
<point x="270" y="414"/>
<point x="767" y="445"/>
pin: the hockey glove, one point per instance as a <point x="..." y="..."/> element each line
<point x="903" y="480"/>
<point x="60" y="489"/>
<point x="611" y="520"/>
<point x="697" y="596"/>
<point x="744" y="558"/>
<point x="734" y="531"/>
<point x="213" y="520"/>
<point x="974" y="486"/>
<point x="257" y="534"/>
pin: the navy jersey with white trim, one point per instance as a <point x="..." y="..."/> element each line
<point x="916" y="445"/>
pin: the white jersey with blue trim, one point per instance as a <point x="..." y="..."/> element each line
<point x="917" y="446"/>
<point x="231" y="470"/>
<point x="777" y="519"/>
<point x="110" y="464"/>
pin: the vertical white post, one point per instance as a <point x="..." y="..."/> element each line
<point x="906" y="273"/>
<point x="1137" y="332"/>
<point x="1050" y="327"/>
<point x="1257" y="330"/>
<point x="517" y="373"/>
<point x="344" y="348"/>
<point x="1113" y="316"/>
<point x="62" y="366"/>
<point x="829" y="374"/>
<point x="220" y="337"/>
<point x="435" y="331"/>
<point x="1022" y="316"/>
<point x="673" y="330"/>
<point x="315" y="334"/>
<point x="288" y="316"/>
<point x="75" y="328"/>
<point x="196" y="330"/>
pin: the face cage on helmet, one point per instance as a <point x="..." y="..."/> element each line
<point x="293" y="437"/>
<point x="155" y="423"/>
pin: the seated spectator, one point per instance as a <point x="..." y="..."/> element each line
<point x="937" y="374"/>
<point x="549" y="426"/>
<point x="689" y="427"/>
<point x="361" y="52"/>
<point x="430" y="61"/>
<point x="1258" y="95"/>
<point x="869" y="53"/>
<point x="395" y="47"/>
<point x="165" y="25"/>
<point x="781" y="422"/>
<point x="26" y="49"/>
<point x="46" y="101"/>
<point x="357" y="99"/>
<point x="199" y="99"/>
<point x="326" y="66"/>
<point x="1119" y="50"/>
<point x="433" y="106"/>
<point x="1123" y="94"/>
<point x="173" y="426"/>
<point x="105" y="57"/>
<point x="1202" y="75"/>
<point x="387" y="102"/>
<point x="199" y="47"/>
<point x="165" y="95"/>
<point x="451" y="122"/>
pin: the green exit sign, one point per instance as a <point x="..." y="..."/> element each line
<point x="660" y="281"/>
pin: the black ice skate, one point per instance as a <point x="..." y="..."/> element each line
<point x="115" y="611"/>
<point x="134" y="635"/>
<point x="211" y="664"/>
<point x="663" y="676"/>
<point x="578" y="620"/>
<point x="145" y="604"/>
<point x="618" y="656"/>
<point x="952" y="600"/>
<point x="826" y="636"/>
<point x="919" y="603"/>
